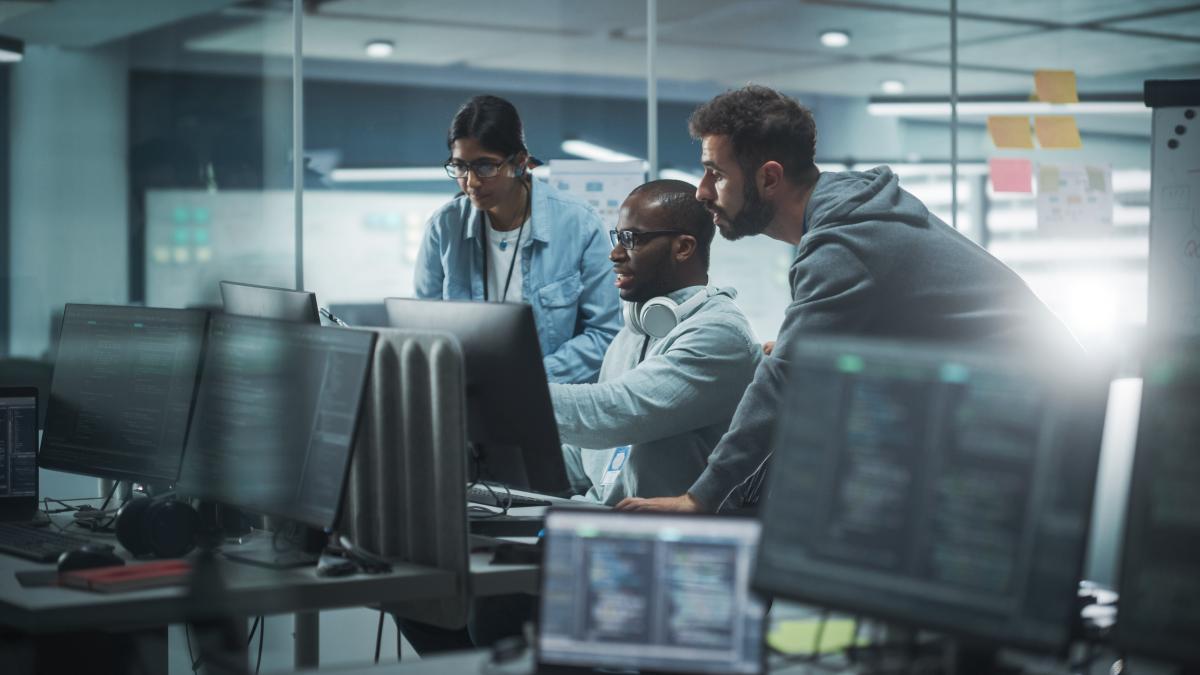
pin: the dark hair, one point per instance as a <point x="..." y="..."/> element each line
<point x="678" y="206"/>
<point x="492" y="121"/>
<point x="764" y="125"/>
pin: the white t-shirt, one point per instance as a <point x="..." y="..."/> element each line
<point x="503" y="252"/>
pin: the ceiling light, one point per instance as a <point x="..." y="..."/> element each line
<point x="892" y="86"/>
<point x="835" y="38"/>
<point x="595" y="152"/>
<point x="11" y="50"/>
<point x="380" y="49"/>
<point x="389" y="175"/>
<point x="983" y="106"/>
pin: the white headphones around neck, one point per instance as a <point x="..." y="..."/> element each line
<point x="658" y="316"/>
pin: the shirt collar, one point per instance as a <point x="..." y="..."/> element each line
<point x="538" y="227"/>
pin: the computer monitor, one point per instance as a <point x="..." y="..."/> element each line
<point x="268" y="302"/>
<point x="509" y="417"/>
<point x="657" y="592"/>
<point x="276" y="412"/>
<point x="1160" y="585"/>
<point x="122" y="390"/>
<point x="18" y="453"/>
<point x="935" y="488"/>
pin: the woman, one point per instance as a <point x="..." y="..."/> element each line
<point x="509" y="238"/>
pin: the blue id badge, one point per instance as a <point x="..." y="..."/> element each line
<point x="615" y="463"/>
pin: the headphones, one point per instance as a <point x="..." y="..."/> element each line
<point x="164" y="528"/>
<point x="658" y="316"/>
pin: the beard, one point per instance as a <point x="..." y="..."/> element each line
<point x="754" y="217"/>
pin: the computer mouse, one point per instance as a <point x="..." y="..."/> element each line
<point x="87" y="557"/>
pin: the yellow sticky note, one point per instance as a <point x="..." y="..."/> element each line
<point x="1057" y="131"/>
<point x="1010" y="131"/>
<point x="798" y="636"/>
<point x="1055" y="86"/>
<point x="1047" y="179"/>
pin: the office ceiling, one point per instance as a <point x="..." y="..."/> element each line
<point x="1112" y="44"/>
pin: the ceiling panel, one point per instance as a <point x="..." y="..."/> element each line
<point x="1089" y="53"/>
<point x="863" y="79"/>
<point x="1064" y="11"/>
<point x="86" y="23"/>
<point x="1187" y="24"/>
<point x="578" y="16"/>
<point x="795" y="26"/>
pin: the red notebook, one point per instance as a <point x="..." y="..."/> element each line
<point x="129" y="577"/>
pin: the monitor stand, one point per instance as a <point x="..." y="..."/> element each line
<point x="279" y="550"/>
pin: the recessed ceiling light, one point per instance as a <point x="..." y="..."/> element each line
<point x="835" y="38"/>
<point x="380" y="49"/>
<point x="892" y="86"/>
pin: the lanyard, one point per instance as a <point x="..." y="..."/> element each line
<point x="645" y="344"/>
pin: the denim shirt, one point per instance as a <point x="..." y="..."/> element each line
<point x="566" y="275"/>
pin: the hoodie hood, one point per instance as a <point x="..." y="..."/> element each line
<point x="856" y="196"/>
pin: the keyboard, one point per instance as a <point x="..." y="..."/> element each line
<point x="37" y="544"/>
<point x="497" y="496"/>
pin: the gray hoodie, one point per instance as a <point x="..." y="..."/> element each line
<point x="874" y="261"/>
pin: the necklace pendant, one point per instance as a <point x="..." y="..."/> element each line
<point x="504" y="245"/>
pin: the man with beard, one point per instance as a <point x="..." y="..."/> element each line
<point x="871" y="260"/>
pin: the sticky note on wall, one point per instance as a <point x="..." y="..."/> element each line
<point x="1057" y="131"/>
<point x="1055" y="86"/>
<point x="1010" y="131"/>
<point x="1011" y="175"/>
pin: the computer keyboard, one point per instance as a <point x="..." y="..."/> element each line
<point x="496" y="495"/>
<point x="39" y="545"/>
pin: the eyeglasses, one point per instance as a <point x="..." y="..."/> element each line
<point x="482" y="168"/>
<point x="629" y="238"/>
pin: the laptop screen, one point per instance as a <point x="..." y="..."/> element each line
<point x="650" y="592"/>
<point x="18" y="452"/>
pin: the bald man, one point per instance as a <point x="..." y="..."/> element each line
<point x="674" y="375"/>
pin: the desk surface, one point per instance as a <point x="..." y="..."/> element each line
<point x="253" y="590"/>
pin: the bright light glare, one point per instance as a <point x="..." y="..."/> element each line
<point x="380" y="49"/>
<point x="835" y="39"/>
<point x="595" y="152"/>
<point x="892" y="86"/>
<point x="676" y="174"/>
<point x="389" y="175"/>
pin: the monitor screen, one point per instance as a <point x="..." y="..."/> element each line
<point x="268" y="302"/>
<point x="1160" y="583"/>
<point x="275" y="417"/>
<point x="18" y="452"/>
<point x="122" y="391"/>
<point x="653" y="592"/>
<point x="938" y="489"/>
<point x="509" y="416"/>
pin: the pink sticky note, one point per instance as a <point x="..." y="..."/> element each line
<point x="1011" y="175"/>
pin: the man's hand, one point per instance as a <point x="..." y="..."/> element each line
<point x="768" y="347"/>
<point x="682" y="504"/>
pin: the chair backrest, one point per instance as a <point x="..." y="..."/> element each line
<point x="406" y="495"/>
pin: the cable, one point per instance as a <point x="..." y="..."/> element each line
<point x="113" y="491"/>
<point x="819" y="634"/>
<point x="187" y="636"/>
<point x="253" y="630"/>
<point x="379" y="638"/>
<point x="262" y="630"/>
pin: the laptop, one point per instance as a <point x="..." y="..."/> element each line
<point x="18" y="454"/>
<point x="649" y="592"/>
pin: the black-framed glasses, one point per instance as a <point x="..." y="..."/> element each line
<point x="482" y="168"/>
<point x="629" y="238"/>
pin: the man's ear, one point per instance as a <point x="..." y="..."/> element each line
<point x="769" y="177"/>
<point x="685" y="248"/>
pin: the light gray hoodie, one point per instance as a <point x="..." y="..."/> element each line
<point x="873" y="261"/>
<point x="671" y="408"/>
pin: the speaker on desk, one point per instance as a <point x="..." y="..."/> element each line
<point x="164" y="528"/>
